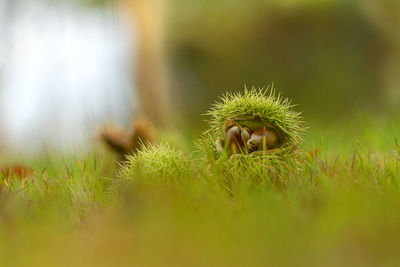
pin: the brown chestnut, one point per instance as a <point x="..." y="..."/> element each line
<point x="233" y="140"/>
<point x="236" y="138"/>
<point x="263" y="139"/>
<point x="245" y="134"/>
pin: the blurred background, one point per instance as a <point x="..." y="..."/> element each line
<point x="67" y="67"/>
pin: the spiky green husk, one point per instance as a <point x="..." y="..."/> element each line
<point x="261" y="103"/>
<point x="164" y="162"/>
<point x="160" y="162"/>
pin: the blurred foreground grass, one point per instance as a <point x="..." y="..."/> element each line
<point x="339" y="208"/>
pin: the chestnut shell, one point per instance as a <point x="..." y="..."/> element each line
<point x="253" y="123"/>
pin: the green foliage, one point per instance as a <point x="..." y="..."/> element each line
<point x="297" y="44"/>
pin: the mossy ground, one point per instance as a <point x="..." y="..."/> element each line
<point x="338" y="206"/>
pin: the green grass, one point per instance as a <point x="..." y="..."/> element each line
<point x="337" y="208"/>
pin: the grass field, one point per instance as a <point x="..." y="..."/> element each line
<point x="337" y="206"/>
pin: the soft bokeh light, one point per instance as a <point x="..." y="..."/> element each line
<point x="66" y="70"/>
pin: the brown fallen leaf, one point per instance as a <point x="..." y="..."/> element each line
<point x="124" y="143"/>
<point x="15" y="171"/>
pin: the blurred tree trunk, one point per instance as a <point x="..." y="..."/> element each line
<point x="151" y="74"/>
<point x="385" y="14"/>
